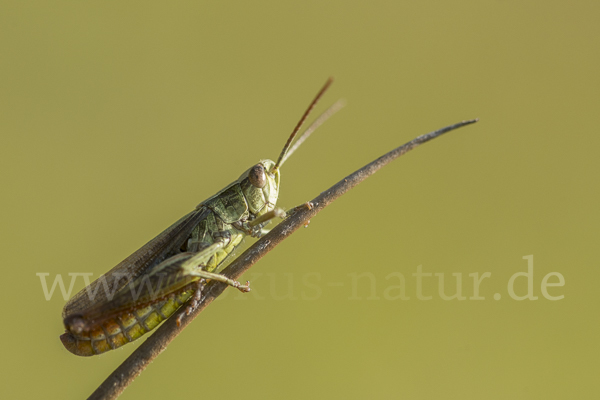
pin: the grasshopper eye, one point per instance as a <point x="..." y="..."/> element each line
<point x="257" y="176"/>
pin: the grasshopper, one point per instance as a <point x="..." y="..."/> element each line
<point x="150" y="285"/>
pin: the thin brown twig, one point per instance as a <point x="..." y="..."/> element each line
<point x="114" y="385"/>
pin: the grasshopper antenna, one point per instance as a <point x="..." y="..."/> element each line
<point x="299" y="124"/>
<point x="337" y="106"/>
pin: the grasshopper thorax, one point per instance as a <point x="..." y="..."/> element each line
<point x="260" y="186"/>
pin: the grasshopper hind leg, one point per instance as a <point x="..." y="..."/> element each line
<point x="199" y="291"/>
<point x="194" y="267"/>
<point x="194" y="301"/>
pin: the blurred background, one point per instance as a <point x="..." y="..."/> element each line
<point x="118" y="118"/>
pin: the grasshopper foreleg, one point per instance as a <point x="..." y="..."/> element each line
<point x="275" y="213"/>
<point x="255" y="228"/>
<point x="308" y="205"/>
<point x="222" y="278"/>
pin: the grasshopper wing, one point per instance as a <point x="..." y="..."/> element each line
<point x="171" y="276"/>
<point x="163" y="246"/>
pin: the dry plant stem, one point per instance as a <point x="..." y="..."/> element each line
<point x="114" y="385"/>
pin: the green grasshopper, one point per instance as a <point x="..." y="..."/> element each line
<point x="150" y="285"/>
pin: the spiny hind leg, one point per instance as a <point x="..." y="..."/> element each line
<point x="194" y="301"/>
<point x="193" y="268"/>
<point x="199" y="291"/>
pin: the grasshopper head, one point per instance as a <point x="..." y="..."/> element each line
<point x="260" y="185"/>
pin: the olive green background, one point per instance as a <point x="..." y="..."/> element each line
<point x="117" y="118"/>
